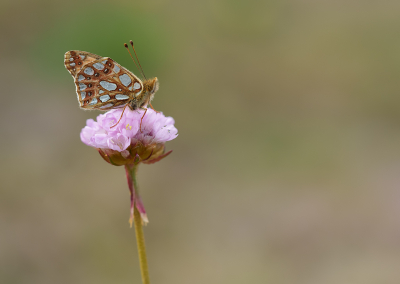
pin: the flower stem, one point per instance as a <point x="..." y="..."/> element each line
<point x="141" y="247"/>
<point x="137" y="218"/>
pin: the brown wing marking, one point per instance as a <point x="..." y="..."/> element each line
<point x="102" y="83"/>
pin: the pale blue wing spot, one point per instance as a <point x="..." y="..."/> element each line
<point x="98" y="66"/>
<point x="121" y="97"/>
<point x="125" y="80"/>
<point x="107" y="106"/>
<point x="108" y="86"/>
<point x="89" y="71"/>
<point x="93" y="102"/>
<point x="104" y="98"/>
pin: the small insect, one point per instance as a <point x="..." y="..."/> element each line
<point x="101" y="83"/>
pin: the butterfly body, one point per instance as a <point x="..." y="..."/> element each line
<point x="150" y="87"/>
<point x="101" y="83"/>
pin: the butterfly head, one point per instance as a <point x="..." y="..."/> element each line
<point x="150" y="87"/>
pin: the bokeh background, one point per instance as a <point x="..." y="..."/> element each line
<point x="286" y="169"/>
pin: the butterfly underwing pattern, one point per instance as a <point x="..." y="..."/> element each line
<point x="101" y="83"/>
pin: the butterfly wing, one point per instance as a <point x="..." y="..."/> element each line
<point x="74" y="60"/>
<point x="104" y="84"/>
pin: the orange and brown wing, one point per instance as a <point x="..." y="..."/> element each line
<point x="74" y="60"/>
<point x="104" y="84"/>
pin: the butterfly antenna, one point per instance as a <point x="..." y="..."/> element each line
<point x="131" y="42"/>
<point x="126" y="46"/>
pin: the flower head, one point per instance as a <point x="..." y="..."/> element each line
<point x="129" y="142"/>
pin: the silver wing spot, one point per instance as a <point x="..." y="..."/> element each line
<point x="93" y="102"/>
<point x="104" y="98"/>
<point x="121" y="97"/>
<point x="101" y="91"/>
<point x="71" y="59"/>
<point x="125" y="80"/>
<point x="108" y="86"/>
<point x="83" y="95"/>
<point x="81" y="77"/>
<point x="89" y="71"/>
<point x="82" y="56"/>
<point x="116" y="68"/>
<point x="98" y="66"/>
<point x="136" y="86"/>
<point x="82" y="86"/>
<point x="72" y="64"/>
<point x="107" y="106"/>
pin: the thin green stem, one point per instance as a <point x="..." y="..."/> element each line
<point x="139" y="227"/>
<point x="141" y="247"/>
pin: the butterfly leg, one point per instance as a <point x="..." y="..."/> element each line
<point x="153" y="108"/>
<point x="141" y="120"/>
<point x="121" y="116"/>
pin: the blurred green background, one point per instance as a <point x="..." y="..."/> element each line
<point x="286" y="169"/>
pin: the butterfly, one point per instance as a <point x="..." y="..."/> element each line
<point x="101" y="83"/>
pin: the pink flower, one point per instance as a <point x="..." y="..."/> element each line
<point x="156" y="128"/>
<point x="130" y="142"/>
